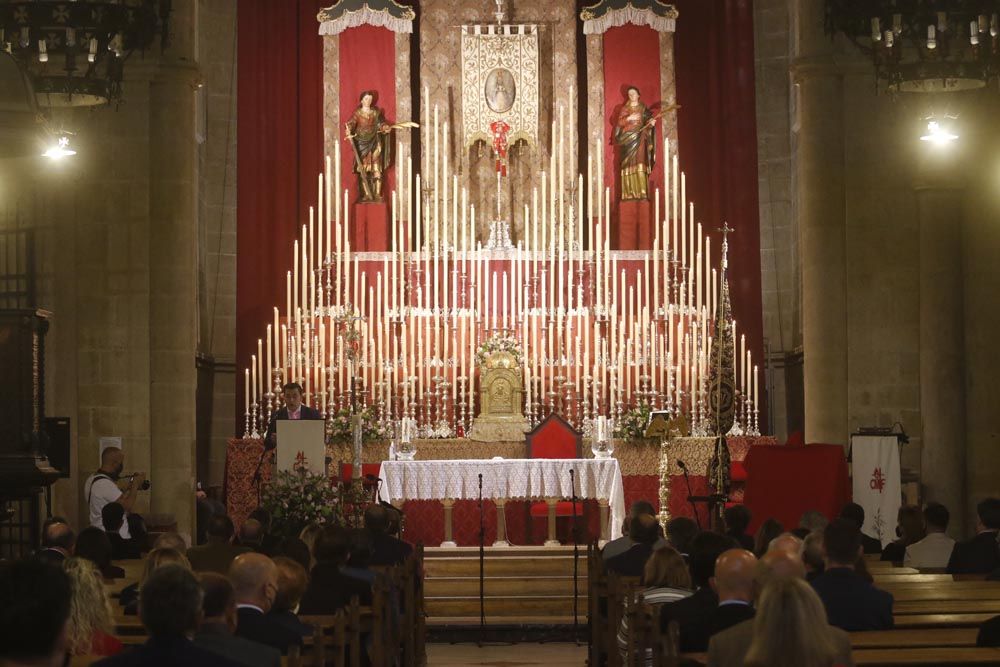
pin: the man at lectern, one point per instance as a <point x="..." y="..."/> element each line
<point x="293" y="409"/>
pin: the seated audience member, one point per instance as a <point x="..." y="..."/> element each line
<point x="680" y="531"/>
<point x="934" y="550"/>
<point x="268" y="542"/>
<point x="218" y="553"/>
<point x="329" y="588"/>
<point x="252" y="535"/>
<point x="359" y="556"/>
<point x="113" y="516"/>
<point x="58" y="540"/>
<point x="386" y="550"/>
<point x="170" y="541"/>
<point x="909" y="528"/>
<point x="737" y="520"/>
<point x="94" y="545"/>
<point x="170" y="609"/>
<point x="90" y="619"/>
<point x="308" y="536"/>
<point x="218" y="627"/>
<point x="788" y="543"/>
<point x="733" y="583"/>
<point x="296" y="549"/>
<point x="813" y="556"/>
<point x="979" y="555"/>
<point x="851" y="603"/>
<point x="292" y="582"/>
<point x="667" y="580"/>
<point x="644" y="531"/>
<point x="813" y="520"/>
<point x="855" y="513"/>
<point x="768" y="530"/>
<point x="255" y="582"/>
<point x="35" y="600"/>
<point x="129" y="597"/>
<point x="620" y="545"/>
<point x="692" y="613"/>
<point x="790" y="628"/>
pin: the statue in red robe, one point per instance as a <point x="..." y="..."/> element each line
<point x="635" y="141"/>
<point x="368" y="132"/>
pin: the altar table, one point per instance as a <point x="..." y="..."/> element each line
<point x="504" y="479"/>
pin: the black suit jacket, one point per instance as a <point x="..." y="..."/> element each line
<point x="289" y="620"/>
<point x="727" y="615"/>
<point x="215" y="637"/>
<point x="167" y="653"/>
<point x="330" y="590"/>
<point x="632" y="562"/>
<point x="693" y="615"/>
<point x="122" y="549"/>
<point x="989" y="633"/>
<point x="745" y="541"/>
<point x="853" y="604"/>
<point x="282" y="413"/>
<point x="257" y="627"/>
<point x="388" y="550"/>
<point x="980" y="555"/>
<point x="870" y="545"/>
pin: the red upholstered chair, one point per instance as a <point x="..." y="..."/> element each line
<point x="369" y="471"/>
<point x="554" y="438"/>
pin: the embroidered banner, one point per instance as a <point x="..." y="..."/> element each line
<point x="877" y="486"/>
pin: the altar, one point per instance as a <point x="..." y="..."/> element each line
<point x="639" y="461"/>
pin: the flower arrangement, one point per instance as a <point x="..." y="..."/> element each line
<point x="373" y="429"/>
<point x="632" y="424"/>
<point x="297" y="499"/>
<point x="500" y="342"/>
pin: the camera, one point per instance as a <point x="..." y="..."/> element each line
<point x="142" y="487"/>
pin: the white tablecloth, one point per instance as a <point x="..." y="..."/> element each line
<point x="507" y="478"/>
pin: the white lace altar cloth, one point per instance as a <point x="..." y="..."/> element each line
<point x="507" y="479"/>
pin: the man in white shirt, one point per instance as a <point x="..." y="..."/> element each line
<point x="101" y="488"/>
<point x="934" y="550"/>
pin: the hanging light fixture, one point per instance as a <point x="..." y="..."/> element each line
<point x="937" y="133"/>
<point x="59" y="149"/>
<point x="921" y="46"/>
<point x="75" y="52"/>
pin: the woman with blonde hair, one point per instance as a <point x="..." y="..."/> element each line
<point x="667" y="579"/>
<point x="790" y="629"/>
<point x="129" y="597"/>
<point x="90" y="618"/>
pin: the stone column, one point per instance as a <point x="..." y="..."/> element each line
<point x="820" y="175"/>
<point x="942" y="348"/>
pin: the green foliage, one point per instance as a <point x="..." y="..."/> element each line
<point x="296" y="500"/>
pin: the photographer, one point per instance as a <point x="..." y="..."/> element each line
<point x="102" y="488"/>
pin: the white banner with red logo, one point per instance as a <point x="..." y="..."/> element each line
<point x="877" y="485"/>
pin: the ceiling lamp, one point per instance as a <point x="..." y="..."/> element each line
<point x="923" y="46"/>
<point x="937" y="134"/>
<point x="59" y="149"/>
<point x="75" y="52"/>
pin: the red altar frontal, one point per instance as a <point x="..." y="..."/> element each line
<point x="639" y="461"/>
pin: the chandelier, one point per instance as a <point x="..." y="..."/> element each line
<point x="74" y="52"/>
<point x="923" y="46"/>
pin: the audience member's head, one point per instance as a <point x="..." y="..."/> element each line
<point x="170" y="541"/>
<point x="90" y="609"/>
<point x="362" y="548"/>
<point x="813" y="520"/>
<point x="813" y="556"/>
<point x="777" y="565"/>
<point x="936" y="518"/>
<point x="292" y="583"/>
<point x="93" y="544"/>
<point x="644" y="529"/>
<point x="788" y="543"/>
<point x="665" y="568"/>
<point x="734" y="575"/>
<point x="219" y="603"/>
<point x="220" y="528"/>
<point x="790" y="627"/>
<point x="58" y="535"/>
<point x="737" y="519"/>
<point x="768" y="530"/>
<point x="264" y="517"/>
<point x="680" y="531"/>
<point x="638" y="507"/>
<point x="170" y="602"/>
<point x="309" y="535"/>
<point x="988" y="512"/>
<point x="34" y="613"/>
<point x="854" y="513"/>
<point x="112" y="517"/>
<point x="842" y="543"/>
<point x="255" y="580"/>
<point x="332" y="545"/>
<point x="157" y="558"/>
<point x="706" y="548"/>
<point x="910" y="524"/>
<point x="395" y="520"/>
<point x="251" y="533"/>
<point x="377" y="519"/>
<point x="296" y="549"/>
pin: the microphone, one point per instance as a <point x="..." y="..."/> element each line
<point x="680" y="464"/>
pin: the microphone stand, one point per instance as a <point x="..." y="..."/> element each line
<point x="687" y="480"/>
<point x="482" y="567"/>
<point x="576" y="559"/>
<point x="257" y="481"/>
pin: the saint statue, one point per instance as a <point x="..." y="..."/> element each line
<point x="635" y="140"/>
<point x="368" y="133"/>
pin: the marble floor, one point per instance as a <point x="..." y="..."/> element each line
<point x="512" y="655"/>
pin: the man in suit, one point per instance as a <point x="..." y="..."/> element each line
<point x="58" y="540"/>
<point x="292" y="582"/>
<point x="255" y="582"/>
<point x="733" y="583"/>
<point x="330" y="589"/>
<point x="293" y="409"/>
<point x="852" y="603"/>
<point x="218" y="553"/>
<point x="170" y="609"/>
<point x="980" y="555"/>
<point x="216" y="633"/>
<point x="113" y="516"/>
<point x="692" y="613"/>
<point x="386" y="549"/>
<point x="34" y="613"/>
<point x="855" y="513"/>
<point x="737" y="520"/>
<point x="620" y="545"/>
<point x="935" y="549"/>
<point x="644" y="531"/>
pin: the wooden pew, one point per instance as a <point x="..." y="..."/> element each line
<point x="953" y="657"/>
<point x="916" y="638"/>
<point x="940" y="620"/>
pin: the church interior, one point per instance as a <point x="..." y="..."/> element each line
<point x="473" y="326"/>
